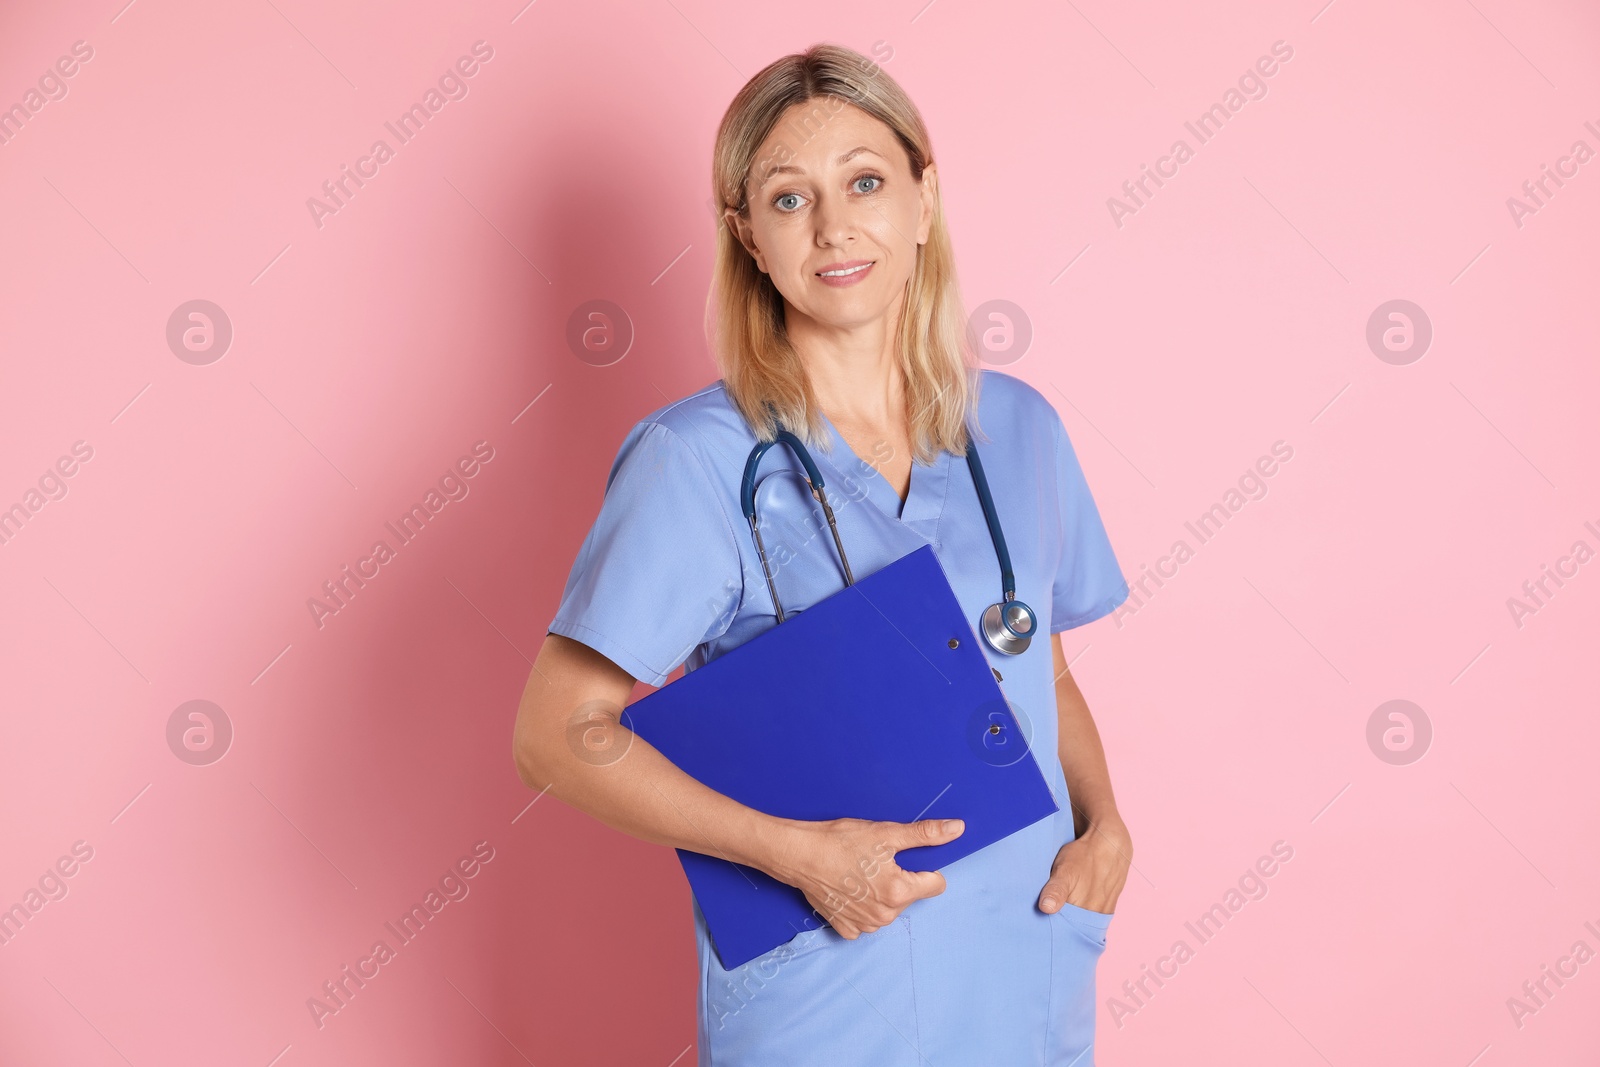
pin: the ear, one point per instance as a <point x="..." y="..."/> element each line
<point x="740" y="226"/>
<point x="930" y="200"/>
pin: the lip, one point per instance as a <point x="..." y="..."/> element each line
<point x="839" y="282"/>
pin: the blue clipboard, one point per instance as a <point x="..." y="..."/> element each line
<point x="876" y="702"/>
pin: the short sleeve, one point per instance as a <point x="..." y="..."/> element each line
<point x="659" y="572"/>
<point x="1089" y="582"/>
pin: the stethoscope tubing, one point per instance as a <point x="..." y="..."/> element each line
<point x="994" y="625"/>
<point x="1008" y="582"/>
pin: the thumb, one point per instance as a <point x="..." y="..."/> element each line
<point x="932" y="832"/>
<point x="1053" y="894"/>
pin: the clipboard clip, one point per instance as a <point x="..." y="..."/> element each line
<point x="747" y="501"/>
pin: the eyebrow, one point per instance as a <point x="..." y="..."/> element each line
<point x="843" y="159"/>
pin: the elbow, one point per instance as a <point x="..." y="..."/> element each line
<point x="527" y="756"/>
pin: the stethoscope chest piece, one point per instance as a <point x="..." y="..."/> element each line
<point x="1008" y="627"/>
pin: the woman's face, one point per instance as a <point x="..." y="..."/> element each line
<point x="835" y="216"/>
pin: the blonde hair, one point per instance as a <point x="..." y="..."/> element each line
<point x="763" y="374"/>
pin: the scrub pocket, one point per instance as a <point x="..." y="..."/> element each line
<point x="1077" y="940"/>
<point x="832" y="1001"/>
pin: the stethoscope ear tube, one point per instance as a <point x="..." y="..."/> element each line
<point x="747" y="502"/>
<point x="747" y="488"/>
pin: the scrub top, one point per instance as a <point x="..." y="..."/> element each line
<point x="669" y="574"/>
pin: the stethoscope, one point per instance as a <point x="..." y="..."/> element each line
<point x="1007" y="626"/>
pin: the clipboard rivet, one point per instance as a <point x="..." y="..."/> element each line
<point x="954" y="643"/>
<point x="994" y="728"/>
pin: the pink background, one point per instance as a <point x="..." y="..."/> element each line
<point x="368" y="354"/>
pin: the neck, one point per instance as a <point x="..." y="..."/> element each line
<point x="855" y="372"/>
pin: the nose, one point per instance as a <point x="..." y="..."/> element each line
<point x="834" y="223"/>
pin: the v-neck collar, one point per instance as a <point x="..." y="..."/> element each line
<point x="929" y="482"/>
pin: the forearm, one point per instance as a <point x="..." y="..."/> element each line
<point x="1083" y="757"/>
<point x="645" y="795"/>
<point x="594" y="763"/>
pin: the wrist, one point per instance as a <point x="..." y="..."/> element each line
<point x="1093" y="807"/>
<point x="1109" y="829"/>
<point x="774" y="845"/>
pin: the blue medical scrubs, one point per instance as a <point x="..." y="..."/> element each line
<point x="669" y="574"/>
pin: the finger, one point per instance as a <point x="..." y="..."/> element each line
<point x="831" y="906"/>
<point x="924" y="883"/>
<point x="837" y="922"/>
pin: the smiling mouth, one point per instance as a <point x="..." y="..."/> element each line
<point x="846" y="272"/>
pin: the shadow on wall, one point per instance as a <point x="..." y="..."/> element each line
<point x="571" y="917"/>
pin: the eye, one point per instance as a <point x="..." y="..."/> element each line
<point x="791" y="202"/>
<point x="868" y="178"/>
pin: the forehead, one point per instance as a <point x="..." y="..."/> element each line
<point x="818" y="134"/>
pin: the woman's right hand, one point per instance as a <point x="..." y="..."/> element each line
<point x="846" y="868"/>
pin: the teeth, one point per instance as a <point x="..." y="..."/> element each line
<point x="842" y="273"/>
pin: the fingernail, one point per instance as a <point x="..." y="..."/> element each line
<point x="952" y="825"/>
<point x="1047" y="903"/>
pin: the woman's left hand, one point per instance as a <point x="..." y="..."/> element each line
<point x="1090" y="870"/>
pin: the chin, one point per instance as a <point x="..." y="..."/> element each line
<point x="849" y="314"/>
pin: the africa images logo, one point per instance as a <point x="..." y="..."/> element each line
<point x="452" y="85"/>
<point x="453" y="886"/>
<point x="454" y="486"/>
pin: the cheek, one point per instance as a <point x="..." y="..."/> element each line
<point x="912" y="214"/>
<point x="894" y="232"/>
<point x="783" y="247"/>
<point x="789" y="251"/>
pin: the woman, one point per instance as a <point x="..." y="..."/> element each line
<point x="838" y="317"/>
